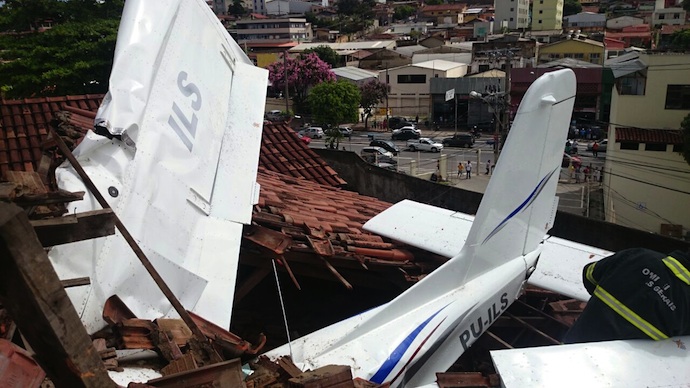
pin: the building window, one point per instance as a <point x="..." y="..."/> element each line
<point x="594" y="57"/>
<point x="539" y="21"/>
<point x="655" y="147"/>
<point x="541" y="11"/>
<point x="676" y="16"/>
<point x="678" y="148"/>
<point x="512" y="9"/>
<point x="412" y="78"/>
<point x="511" y="19"/>
<point x="678" y="97"/>
<point x="632" y="84"/>
<point x="661" y="16"/>
<point x="630" y="145"/>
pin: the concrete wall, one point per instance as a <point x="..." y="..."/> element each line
<point x="393" y="187"/>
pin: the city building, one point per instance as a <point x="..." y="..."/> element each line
<point x="511" y="14"/>
<point x="495" y="53"/>
<point x="646" y="180"/>
<point x="547" y="15"/>
<point x="409" y="85"/>
<point x="273" y="29"/>
<point x="576" y="47"/>
<point x="585" y="21"/>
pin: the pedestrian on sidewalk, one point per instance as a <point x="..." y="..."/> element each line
<point x="488" y="167"/>
<point x="461" y="169"/>
<point x="595" y="149"/>
<point x="468" y="169"/>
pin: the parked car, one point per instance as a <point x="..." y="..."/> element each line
<point x="406" y="133"/>
<point x="567" y="159"/>
<point x="459" y="140"/>
<point x="386" y="145"/>
<point x="424" y="144"/>
<point x="602" y="145"/>
<point x="313" y="132"/>
<point x="396" y="122"/>
<point x="274" y="115"/>
<point x="377" y="155"/>
<point x="305" y="139"/>
<point x="346" y="131"/>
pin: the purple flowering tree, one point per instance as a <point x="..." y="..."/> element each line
<point x="302" y="73"/>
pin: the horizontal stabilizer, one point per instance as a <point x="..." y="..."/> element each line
<point x="630" y="363"/>
<point x="559" y="268"/>
<point x="437" y="230"/>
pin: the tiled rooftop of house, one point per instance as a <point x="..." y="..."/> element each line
<point x="281" y="152"/>
<point x="642" y="135"/>
<point x="24" y="125"/>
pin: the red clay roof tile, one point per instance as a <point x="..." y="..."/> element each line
<point x="641" y="135"/>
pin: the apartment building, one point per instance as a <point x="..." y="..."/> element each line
<point x="511" y="14"/>
<point x="275" y="30"/>
<point x="547" y="15"/>
<point x="646" y="180"/>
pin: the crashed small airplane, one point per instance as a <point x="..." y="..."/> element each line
<point x="177" y="149"/>
<point x="425" y="329"/>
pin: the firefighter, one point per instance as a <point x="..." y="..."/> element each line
<point x="636" y="294"/>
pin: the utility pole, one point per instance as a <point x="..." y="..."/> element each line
<point x="285" y="77"/>
<point x="506" y="99"/>
<point x="388" y="90"/>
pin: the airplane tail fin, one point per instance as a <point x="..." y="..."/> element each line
<point x="519" y="204"/>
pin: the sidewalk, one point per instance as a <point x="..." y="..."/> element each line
<point x="479" y="182"/>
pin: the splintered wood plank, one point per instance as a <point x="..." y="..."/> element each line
<point x="32" y="293"/>
<point x="77" y="227"/>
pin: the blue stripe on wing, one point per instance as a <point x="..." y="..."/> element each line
<point x="524" y="205"/>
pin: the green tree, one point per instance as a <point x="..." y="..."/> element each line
<point x="403" y="12"/>
<point x="326" y="54"/>
<point x="686" y="5"/>
<point x="332" y="104"/>
<point x="685" y="132"/>
<point x="70" y="58"/>
<point x="680" y="40"/>
<point x="372" y="93"/>
<point x="571" y="7"/>
<point x="236" y="8"/>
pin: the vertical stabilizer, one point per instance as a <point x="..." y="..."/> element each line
<point x="518" y="205"/>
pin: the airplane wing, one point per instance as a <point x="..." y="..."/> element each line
<point x="444" y="232"/>
<point x="630" y="363"/>
<point x="182" y="132"/>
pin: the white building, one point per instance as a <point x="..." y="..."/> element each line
<point x="287" y="29"/>
<point x="513" y="14"/>
<point x="646" y="181"/>
<point x="283" y="7"/>
<point x="585" y="20"/>
<point x="409" y="85"/>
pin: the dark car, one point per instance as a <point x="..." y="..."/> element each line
<point x="396" y="122"/>
<point x="386" y="145"/>
<point x="459" y="140"/>
<point x="405" y="133"/>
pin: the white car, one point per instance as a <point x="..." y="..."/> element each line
<point x="346" y="131"/>
<point x="424" y="144"/>
<point x="313" y="132"/>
